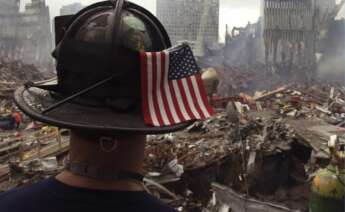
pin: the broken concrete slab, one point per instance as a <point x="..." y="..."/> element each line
<point x="240" y="203"/>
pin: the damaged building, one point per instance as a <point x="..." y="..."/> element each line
<point x="288" y="31"/>
<point x="292" y="41"/>
<point x="192" y="21"/>
<point x="9" y="13"/>
<point x="26" y="35"/>
<point x="293" y="31"/>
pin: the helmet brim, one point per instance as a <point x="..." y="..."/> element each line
<point x="73" y="116"/>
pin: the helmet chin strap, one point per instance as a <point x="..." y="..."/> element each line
<point x="85" y="169"/>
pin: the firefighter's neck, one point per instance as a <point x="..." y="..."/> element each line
<point x="116" y="152"/>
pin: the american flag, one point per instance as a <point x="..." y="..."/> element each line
<point x="172" y="88"/>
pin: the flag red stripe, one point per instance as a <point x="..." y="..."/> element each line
<point x="144" y="89"/>
<point x="185" y="100"/>
<point x="167" y="89"/>
<point x="203" y="94"/>
<point x="154" y="90"/>
<point x="176" y="104"/>
<point x="164" y="75"/>
<point x="195" y="98"/>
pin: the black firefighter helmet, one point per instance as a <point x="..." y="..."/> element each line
<point x="98" y="71"/>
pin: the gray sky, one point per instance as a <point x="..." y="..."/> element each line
<point x="238" y="13"/>
<point x="232" y="12"/>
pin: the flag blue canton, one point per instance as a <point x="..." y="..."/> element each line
<point x="182" y="63"/>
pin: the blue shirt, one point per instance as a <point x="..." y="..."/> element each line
<point x="53" y="196"/>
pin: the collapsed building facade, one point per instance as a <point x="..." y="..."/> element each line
<point x="292" y="30"/>
<point x="26" y="35"/>
<point x="9" y="13"/>
<point x="292" y="41"/>
<point x="288" y="30"/>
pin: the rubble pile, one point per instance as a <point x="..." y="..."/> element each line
<point x="262" y="148"/>
<point x="28" y="172"/>
<point x="31" y="154"/>
<point x="210" y="152"/>
<point x="236" y="79"/>
<point x="14" y="73"/>
<point x="267" y="149"/>
<point x="200" y="144"/>
<point x="257" y="76"/>
<point x="46" y="166"/>
<point x="25" y="141"/>
<point x="326" y="103"/>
